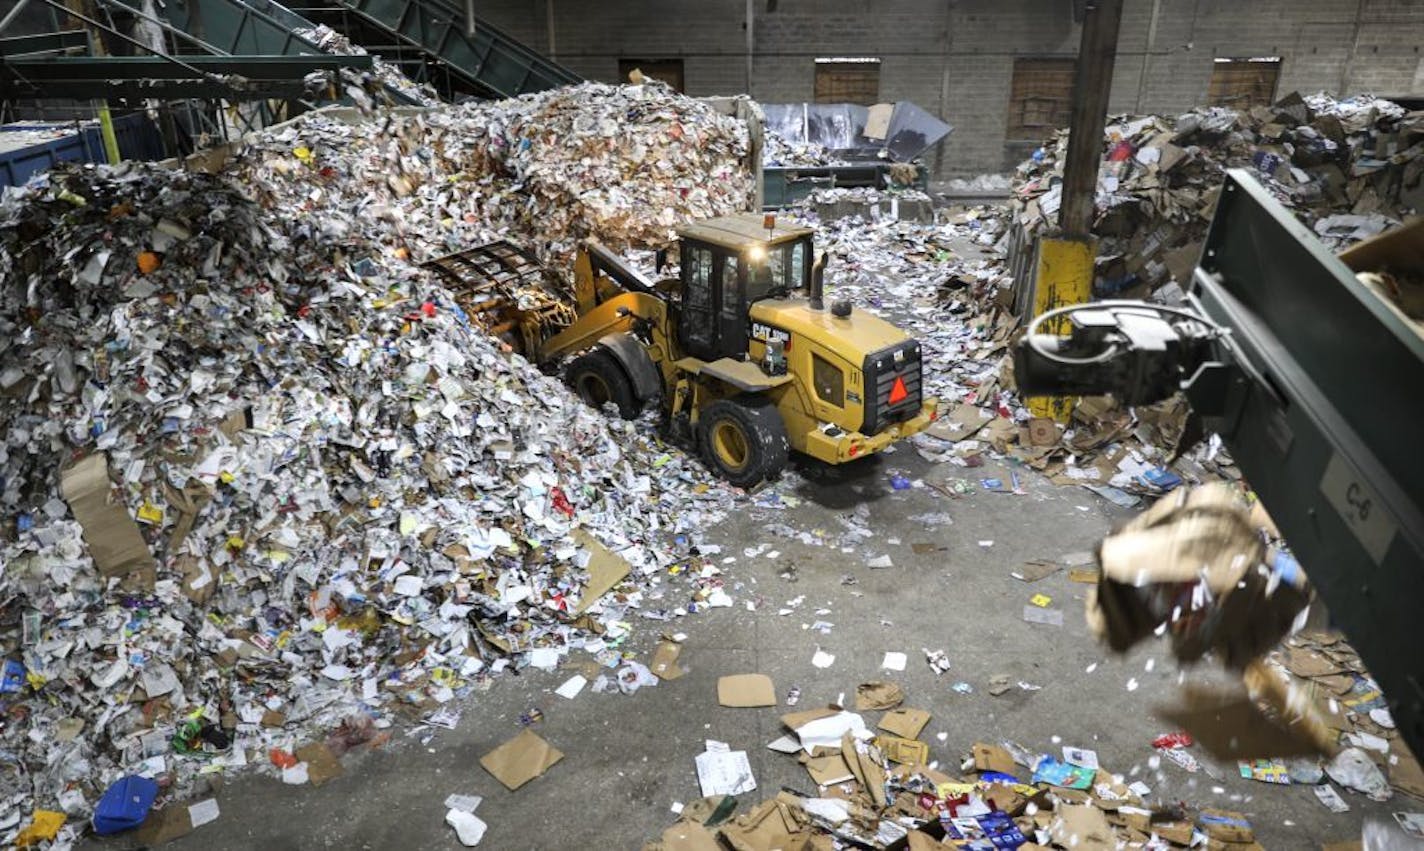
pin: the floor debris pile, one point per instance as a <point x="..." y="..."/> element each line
<point x="862" y="194"/>
<point x="1349" y="168"/>
<point x="1366" y="755"/>
<point x="268" y="493"/>
<point x="877" y="788"/>
<point x="783" y="152"/>
<point x="870" y="782"/>
<point x="865" y="202"/>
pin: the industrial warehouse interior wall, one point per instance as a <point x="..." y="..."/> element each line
<point x="957" y="58"/>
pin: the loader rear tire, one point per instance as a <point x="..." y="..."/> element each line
<point x="598" y="379"/>
<point x="743" y="440"/>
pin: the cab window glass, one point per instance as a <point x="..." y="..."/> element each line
<point x="829" y="380"/>
<point x="783" y="268"/>
<point x="699" y="294"/>
<point x="731" y="301"/>
<point x="697" y="299"/>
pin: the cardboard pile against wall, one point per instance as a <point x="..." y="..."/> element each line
<point x="1349" y="168"/>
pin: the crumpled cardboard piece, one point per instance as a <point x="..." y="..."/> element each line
<point x="1001" y="433"/>
<point x="1405" y="773"/>
<point x="664" y="663"/>
<point x="867" y="769"/>
<point x="1202" y="532"/>
<point x="1006" y="799"/>
<point x="904" y="722"/>
<point x="878" y="695"/>
<point x="111" y="533"/>
<point x="746" y="690"/>
<point x="322" y="764"/>
<point x="685" y="836"/>
<point x="795" y="720"/>
<point x="989" y="757"/>
<point x="164" y="826"/>
<point x="1174" y="830"/>
<point x="1043" y="431"/>
<point x="829" y="769"/>
<point x="960" y="422"/>
<point x="903" y="751"/>
<point x="605" y="569"/>
<point x="919" y="841"/>
<point x="1082" y="828"/>
<point x="521" y="759"/>
<point x="1226" y="826"/>
<point x="198" y="578"/>
<point x="769" y="826"/>
<point x="185" y="505"/>
<point x="1304" y="662"/>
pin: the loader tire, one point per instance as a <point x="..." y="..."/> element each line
<point x="743" y="440"/>
<point x="598" y="378"/>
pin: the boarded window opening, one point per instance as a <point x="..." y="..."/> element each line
<point x="1041" y="98"/>
<point x="1244" y="83"/>
<point x="667" y="70"/>
<point x="848" y="81"/>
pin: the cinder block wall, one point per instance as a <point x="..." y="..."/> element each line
<point x="955" y="57"/>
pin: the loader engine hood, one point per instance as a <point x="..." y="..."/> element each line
<point x="888" y="359"/>
<point x="853" y="337"/>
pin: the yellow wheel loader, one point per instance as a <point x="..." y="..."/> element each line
<point x="739" y="350"/>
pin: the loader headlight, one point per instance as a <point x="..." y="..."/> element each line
<point x="756" y="253"/>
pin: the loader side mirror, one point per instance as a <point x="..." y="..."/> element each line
<point x="659" y="261"/>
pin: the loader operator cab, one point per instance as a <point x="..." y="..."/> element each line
<point x="728" y="264"/>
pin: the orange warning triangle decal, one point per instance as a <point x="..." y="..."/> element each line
<point x="898" y="391"/>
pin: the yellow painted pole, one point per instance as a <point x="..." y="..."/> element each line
<point x="1063" y="275"/>
<point x="1063" y="265"/>
<point x="106" y="132"/>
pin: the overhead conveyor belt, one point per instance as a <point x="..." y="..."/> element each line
<point x="490" y="62"/>
<point x="139" y="77"/>
<point x="255" y="28"/>
<point x="232" y="49"/>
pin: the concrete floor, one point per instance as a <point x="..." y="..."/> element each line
<point x="628" y="758"/>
